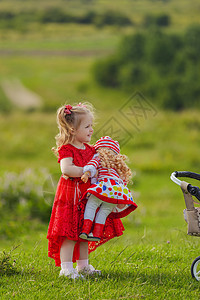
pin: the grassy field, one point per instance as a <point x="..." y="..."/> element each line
<point x="152" y="259"/>
<point x="139" y="265"/>
<point x="166" y="142"/>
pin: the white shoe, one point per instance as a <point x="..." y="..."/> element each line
<point x="89" y="270"/>
<point x="72" y="274"/>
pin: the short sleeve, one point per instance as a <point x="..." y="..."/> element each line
<point x="64" y="152"/>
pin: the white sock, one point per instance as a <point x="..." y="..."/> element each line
<point x="81" y="264"/>
<point x="67" y="266"/>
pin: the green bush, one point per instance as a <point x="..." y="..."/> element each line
<point x="131" y="73"/>
<point x="17" y="20"/>
<point x="88" y="18"/>
<point x="192" y="43"/>
<point x="54" y="15"/>
<point x="106" y="71"/>
<point x="165" y="67"/>
<point x="132" y="48"/>
<point x="111" y="18"/>
<point x="162" y="50"/>
<point x="161" y="20"/>
<point x="22" y="194"/>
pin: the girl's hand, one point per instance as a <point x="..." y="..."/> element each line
<point x="85" y="176"/>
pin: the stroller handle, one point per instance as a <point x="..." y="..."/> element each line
<point x="193" y="190"/>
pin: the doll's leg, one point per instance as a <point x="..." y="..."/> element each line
<point x="104" y="211"/>
<point x="90" y="211"/>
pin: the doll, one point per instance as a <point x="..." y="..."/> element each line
<point x="110" y="194"/>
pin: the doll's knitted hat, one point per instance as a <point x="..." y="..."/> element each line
<point x="106" y="141"/>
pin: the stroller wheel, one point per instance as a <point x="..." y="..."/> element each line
<point x="195" y="268"/>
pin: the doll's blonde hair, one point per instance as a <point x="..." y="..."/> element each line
<point x="67" y="123"/>
<point x="109" y="159"/>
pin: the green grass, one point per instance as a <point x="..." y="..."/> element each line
<point x="134" y="266"/>
<point x="61" y="37"/>
<point x="152" y="259"/>
<point x="165" y="142"/>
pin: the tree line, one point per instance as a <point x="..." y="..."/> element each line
<point x="164" y="67"/>
<point x="16" y="19"/>
<point x="9" y="19"/>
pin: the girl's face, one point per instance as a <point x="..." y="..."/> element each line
<point x="84" y="132"/>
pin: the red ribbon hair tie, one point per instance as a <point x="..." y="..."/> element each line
<point x="68" y="109"/>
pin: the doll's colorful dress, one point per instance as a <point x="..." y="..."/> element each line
<point x="110" y="188"/>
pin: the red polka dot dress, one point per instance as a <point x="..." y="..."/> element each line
<point x="68" y="210"/>
<point x="110" y="188"/>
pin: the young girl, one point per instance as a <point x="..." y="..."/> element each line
<point x="110" y="191"/>
<point x="65" y="246"/>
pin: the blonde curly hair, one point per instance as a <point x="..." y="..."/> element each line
<point x="67" y="123"/>
<point x="109" y="159"/>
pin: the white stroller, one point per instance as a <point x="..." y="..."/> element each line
<point x="191" y="213"/>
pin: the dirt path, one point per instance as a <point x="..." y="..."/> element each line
<point x="21" y="96"/>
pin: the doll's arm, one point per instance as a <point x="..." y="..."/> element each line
<point x="90" y="170"/>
